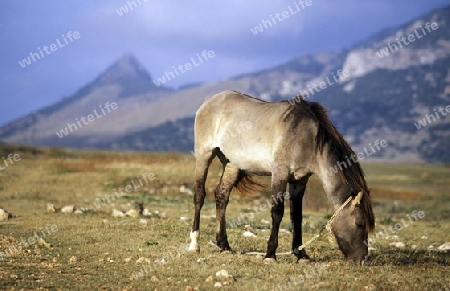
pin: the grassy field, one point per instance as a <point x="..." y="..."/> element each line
<point x="93" y="250"/>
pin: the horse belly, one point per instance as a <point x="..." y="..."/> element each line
<point x="255" y="158"/>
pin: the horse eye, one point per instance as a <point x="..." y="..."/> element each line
<point x="360" y="225"/>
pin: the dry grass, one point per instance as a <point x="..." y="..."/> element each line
<point x="96" y="251"/>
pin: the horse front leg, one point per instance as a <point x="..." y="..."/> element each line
<point x="296" y="191"/>
<point x="279" y="183"/>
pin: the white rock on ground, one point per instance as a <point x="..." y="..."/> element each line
<point x="249" y="234"/>
<point x="5" y="214"/>
<point x="118" y="213"/>
<point x="51" y="208"/>
<point x="68" y="209"/>
<point x="147" y="213"/>
<point x="133" y="213"/>
<point x="445" y="247"/>
<point x="398" y="244"/>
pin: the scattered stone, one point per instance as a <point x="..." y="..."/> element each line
<point x="249" y="234"/>
<point x="218" y="284"/>
<point x="73" y="259"/>
<point x="118" y="213"/>
<point x="68" y="209"/>
<point x="147" y="213"/>
<point x="210" y="279"/>
<point x="163" y="261"/>
<point x="263" y="221"/>
<point x="395" y="237"/>
<point x="143" y="221"/>
<point x="51" y="208"/>
<point x="127" y="260"/>
<point x="185" y="218"/>
<point x="5" y="214"/>
<point x="398" y="244"/>
<point x="224" y="277"/>
<point x="143" y="260"/>
<point x="424" y="237"/>
<point x="186" y="190"/>
<point x="132" y="213"/>
<point x="42" y="242"/>
<point x="430" y="247"/>
<point x="154" y="279"/>
<point x="78" y="211"/>
<point x="445" y="247"/>
<point x="201" y="260"/>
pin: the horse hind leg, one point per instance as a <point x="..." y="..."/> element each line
<point x="222" y="194"/>
<point x="202" y="162"/>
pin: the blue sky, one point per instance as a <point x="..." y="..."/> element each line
<point x="163" y="34"/>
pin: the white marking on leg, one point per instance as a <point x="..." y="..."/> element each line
<point x="194" y="246"/>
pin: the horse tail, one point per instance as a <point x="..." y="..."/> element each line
<point x="247" y="186"/>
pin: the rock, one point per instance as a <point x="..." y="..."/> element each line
<point x="118" y="213"/>
<point x="73" y="259"/>
<point x="5" y="214"/>
<point x="154" y="279"/>
<point x="445" y="247"/>
<point x="147" y="213"/>
<point x="222" y="275"/>
<point x="186" y="190"/>
<point x="132" y="213"/>
<point x="78" y="211"/>
<point x="68" y="209"/>
<point x="42" y="242"/>
<point x="424" y="237"/>
<point x="51" y="208"/>
<point x="398" y="244"/>
<point x="185" y="218"/>
<point x="249" y="234"/>
<point x="201" y="260"/>
<point x="218" y="284"/>
<point x="210" y="279"/>
<point x="143" y="222"/>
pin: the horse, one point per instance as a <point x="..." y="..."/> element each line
<point x="289" y="142"/>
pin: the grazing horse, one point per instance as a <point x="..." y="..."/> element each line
<point x="288" y="142"/>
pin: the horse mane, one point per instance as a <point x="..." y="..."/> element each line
<point x="352" y="174"/>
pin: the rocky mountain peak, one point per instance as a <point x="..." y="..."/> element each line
<point x="126" y="68"/>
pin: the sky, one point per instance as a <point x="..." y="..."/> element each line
<point x="88" y="36"/>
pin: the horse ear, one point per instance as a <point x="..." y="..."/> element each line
<point x="357" y="199"/>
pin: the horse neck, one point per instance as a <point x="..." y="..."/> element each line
<point x="330" y="174"/>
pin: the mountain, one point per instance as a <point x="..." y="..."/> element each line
<point x="390" y="87"/>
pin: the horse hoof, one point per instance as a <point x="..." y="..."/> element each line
<point x="269" y="260"/>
